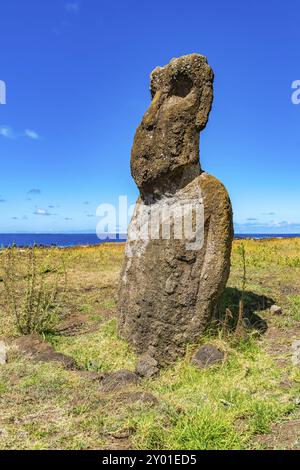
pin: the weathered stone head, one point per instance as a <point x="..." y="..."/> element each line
<point x="165" y="153"/>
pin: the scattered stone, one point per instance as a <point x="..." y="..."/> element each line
<point x="207" y="356"/>
<point x="169" y="285"/>
<point x="125" y="434"/>
<point x="3" y="353"/>
<point x="34" y="347"/>
<point x="276" y="310"/>
<point x="119" y="380"/>
<point x="147" y="367"/>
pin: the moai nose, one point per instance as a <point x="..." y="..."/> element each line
<point x="151" y="116"/>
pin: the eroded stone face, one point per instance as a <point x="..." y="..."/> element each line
<point x="170" y="285"/>
<point x="165" y="153"/>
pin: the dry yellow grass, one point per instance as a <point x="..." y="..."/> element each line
<point x="234" y="406"/>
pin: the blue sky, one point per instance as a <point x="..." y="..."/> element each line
<point x="77" y="77"/>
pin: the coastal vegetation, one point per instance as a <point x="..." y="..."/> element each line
<point x="250" y="401"/>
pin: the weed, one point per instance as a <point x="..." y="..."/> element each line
<point x="38" y="307"/>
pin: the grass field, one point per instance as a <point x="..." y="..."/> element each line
<point x="251" y="401"/>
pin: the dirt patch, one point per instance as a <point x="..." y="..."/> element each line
<point x="92" y="376"/>
<point x="284" y="436"/>
<point x="78" y="324"/>
<point x="118" y="443"/>
<point x="278" y="341"/>
<point x="119" y="380"/>
<point x="141" y="397"/>
<point x="34" y="347"/>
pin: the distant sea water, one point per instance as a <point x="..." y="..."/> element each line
<point x="55" y="239"/>
<point x="68" y="240"/>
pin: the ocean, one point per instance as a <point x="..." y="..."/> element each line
<point x="68" y="240"/>
<point x="54" y="239"/>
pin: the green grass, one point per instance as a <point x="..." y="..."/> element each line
<point x="201" y="409"/>
<point x="102" y="351"/>
<point x="295" y="307"/>
<point x="229" y="406"/>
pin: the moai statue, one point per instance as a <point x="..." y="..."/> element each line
<point x="177" y="257"/>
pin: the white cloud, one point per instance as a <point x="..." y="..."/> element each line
<point x="7" y="132"/>
<point x="273" y="226"/>
<point x="41" y="212"/>
<point x="72" y="6"/>
<point x="31" y="134"/>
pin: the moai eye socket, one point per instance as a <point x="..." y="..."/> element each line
<point x="181" y="85"/>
